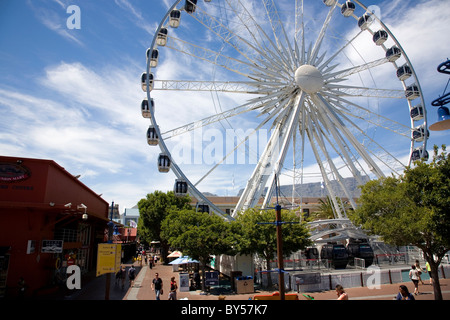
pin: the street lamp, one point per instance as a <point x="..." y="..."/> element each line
<point x="83" y="206"/>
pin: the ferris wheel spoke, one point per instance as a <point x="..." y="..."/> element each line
<point x="249" y="87"/>
<point x="233" y="38"/>
<point x="358" y="112"/>
<point x="318" y="43"/>
<point x="247" y="107"/>
<point x="339" y="51"/>
<point x="375" y="149"/>
<point x="216" y="58"/>
<point x="356" y="69"/>
<point x="332" y="167"/>
<point x="354" y="91"/>
<point x="277" y="58"/>
<point x="341" y="147"/>
<point x="312" y="135"/>
<point x="279" y="32"/>
<point x="351" y="138"/>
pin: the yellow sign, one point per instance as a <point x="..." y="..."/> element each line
<point x="108" y="258"/>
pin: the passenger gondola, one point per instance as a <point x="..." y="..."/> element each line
<point x="144" y="81"/>
<point x="190" y="5"/>
<point x="145" y="109"/>
<point x="174" y="19"/>
<point x="364" y="21"/>
<point x="161" y="39"/>
<point x="152" y="136"/>
<point x="419" y="133"/>
<point x="164" y="163"/>
<point x="329" y="3"/>
<point x="348" y="8"/>
<point x="153" y="56"/>
<point x="202" y="208"/>
<point x="380" y="37"/>
<point x="180" y="188"/>
<point x="412" y="92"/>
<point x="392" y="54"/>
<point x="419" y="153"/>
<point x="417" y="112"/>
<point x="404" y="72"/>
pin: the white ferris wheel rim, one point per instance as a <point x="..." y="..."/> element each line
<point x="308" y="77"/>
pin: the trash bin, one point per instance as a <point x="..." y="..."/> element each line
<point x="244" y="284"/>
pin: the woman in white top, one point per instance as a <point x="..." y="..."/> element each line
<point x="414" y="276"/>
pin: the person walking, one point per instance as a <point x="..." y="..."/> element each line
<point x="132" y="275"/>
<point x="404" y="294"/>
<point x="414" y="276"/>
<point x="419" y="270"/>
<point x="157" y="286"/>
<point x="173" y="289"/>
<point x="342" y="295"/>
<point x="428" y="269"/>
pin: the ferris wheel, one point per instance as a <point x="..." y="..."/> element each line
<point x="323" y="87"/>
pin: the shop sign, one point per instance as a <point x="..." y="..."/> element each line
<point x="108" y="258"/>
<point x="52" y="246"/>
<point x="13" y="172"/>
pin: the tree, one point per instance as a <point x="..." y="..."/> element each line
<point x="153" y="210"/>
<point x="253" y="237"/>
<point x="198" y="235"/>
<point x="412" y="209"/>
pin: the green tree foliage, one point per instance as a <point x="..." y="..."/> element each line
<point x="254" y="237"/>
<point x="198" y="235"/>
<point x="153" y="210"/>
<point x="412" y="209"/>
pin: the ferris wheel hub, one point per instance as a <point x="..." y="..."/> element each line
<point x="309" y="78"/>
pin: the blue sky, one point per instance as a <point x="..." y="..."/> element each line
<point x="73" y="95"/>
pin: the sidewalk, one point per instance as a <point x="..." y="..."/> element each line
<point x="142" y="289"/>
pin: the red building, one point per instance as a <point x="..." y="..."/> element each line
<point x="48" y="220"/>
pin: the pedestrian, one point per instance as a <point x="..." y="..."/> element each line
<point x="173" y="289"/>
<point x="157" y="286"/>
<point x="419" y="270"/>
<point x="414" y="276"/>
<point x="22" y="286"/>
<point x="404" y="294"/>
<point x="131" y="275"/>
<point x="150" y="261"/>
<point x="428" y="269"/>
<point x="122" y="274"/>
<point x="342" y="295"/>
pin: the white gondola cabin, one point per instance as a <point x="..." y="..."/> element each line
<point x="144" y="81"/>
<point x="164" y="163"/>
<point x="329" y="3"/>
<point x="348" y="8"/>
<point x="153" y="54"/>
<point x="152" y="136"/>
<point x="180" y="188"/>
<point x="161" y="38"/>
<point x="417" y="112"/>
<point x="145" y="108"/>
<point x="392" y="54"/>
<point x="419" y="153"/>
<point x="412" y="92"/>
<point x="174" y="19"/>
<point x="380" y="37"/>
<point x="365" y="21"/>
<point x="419" y="133"/>
<point x="189" y="6"/>
<point x="404" y="72"/>
<point x="202" y="208"/>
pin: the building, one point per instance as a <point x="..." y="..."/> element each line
<point x="50" y="220"/>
